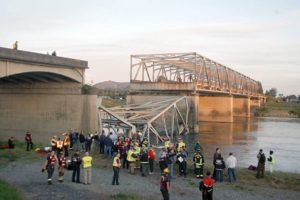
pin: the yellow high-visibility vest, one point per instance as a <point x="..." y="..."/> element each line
<point x="180" y="145"/>
<point x="87" y="161"/>
<point x="129" y="156"/>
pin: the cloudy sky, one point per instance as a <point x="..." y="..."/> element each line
<point x="258" y="38"/>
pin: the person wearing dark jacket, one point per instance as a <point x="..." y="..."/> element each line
<point x="170" y="159"/>
<point x="82" y="141"/>
<point x="108" y="143"/>
<point x="261" y="164"/>
<point x="219" y="168"/>
<point x="101" y="142"/>
<point x="144" y="159"/>
<point x="181" y="160"/>
<point x="28" y="140"/>
<point x="76" y="162"/>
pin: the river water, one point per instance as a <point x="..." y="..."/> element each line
<point x="245" y="138"/>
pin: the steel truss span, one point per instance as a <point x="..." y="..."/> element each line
<point x="191" y="70"/>
<point x="154" y="118"/>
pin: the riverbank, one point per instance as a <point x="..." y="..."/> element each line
<point x="282" y="109"/>
<point x="24" y="173"/>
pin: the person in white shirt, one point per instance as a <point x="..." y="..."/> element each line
<point x="231" y="164"/>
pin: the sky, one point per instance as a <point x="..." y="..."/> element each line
<point x="259" y="38"/>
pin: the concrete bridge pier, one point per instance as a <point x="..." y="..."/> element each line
<point x="241" y="107"/>
<point x="215" y="109"/>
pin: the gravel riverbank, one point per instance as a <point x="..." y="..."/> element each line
<point x="27" y="177"/>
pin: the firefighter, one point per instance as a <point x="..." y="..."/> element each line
<point x="53" y="143"/>
<point x="198" y="164"/>
<point x="206" y="187"/>
<point x="167" y="142"/>
<point x="66" y="144"/>
<point x="61" y="167"/>
<point x="59" y="147"/>
<point x="50" y="166"/>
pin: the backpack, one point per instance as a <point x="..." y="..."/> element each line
<point x="262" y="158"/>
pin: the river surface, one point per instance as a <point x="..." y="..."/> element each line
<point x="244" y="139"/>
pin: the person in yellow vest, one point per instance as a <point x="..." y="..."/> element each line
<point x="131" y="159"/>
<point x="66" y="144"/>
<point x="59" y="147"/>
<point x="53" y="143"/>
<point x="15" y="45"/>
<point x="116" y="168"/>
<point x="167" y="142"/>
<point x="180" y="145"/>
<point x="87" y="168"/>
<point x="271" y="161"/>
<point x="137" y="152"/>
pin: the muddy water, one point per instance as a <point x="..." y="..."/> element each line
<point x="245" y="138"/>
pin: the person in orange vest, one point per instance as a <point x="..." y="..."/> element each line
<point x="206" y="187"/>
<point x="66" y="144"/>
<point x="59" y="147"/>
<point x="50" y="166"/>
<point x="53" y="143"/>
<point x="61" y="167"/>
<point x="152" y="155"/>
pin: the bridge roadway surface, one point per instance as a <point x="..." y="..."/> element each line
<point x="26" y="175"/>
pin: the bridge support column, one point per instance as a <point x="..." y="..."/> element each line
<point x="215" y="108"/>
<point x="241" y="107"/>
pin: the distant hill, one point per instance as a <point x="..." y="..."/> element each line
<point x="112" y="85"/>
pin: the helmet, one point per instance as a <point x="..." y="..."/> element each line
<point x="166" y="170"/>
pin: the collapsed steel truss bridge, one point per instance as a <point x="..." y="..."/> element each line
<point x="157" y="118"/>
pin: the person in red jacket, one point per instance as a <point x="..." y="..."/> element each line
<point x="206" y="186"/>
<point x="151" y="159"/>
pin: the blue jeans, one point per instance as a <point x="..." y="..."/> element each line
<point x="82" y="147"/>
<point x="219" y="175"/>
<point x="231" y="174"/>
<point x="170" y="166"/>
<point x="107" y="150"/>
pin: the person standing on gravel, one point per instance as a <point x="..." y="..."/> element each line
<point x="165" y="185"/>
<point x="206" y="187"/>
<point x="50" y="166"/>
<point x="61" y="167"/>
<point x="76" y="162"/>
<point x="87" y="168"/>
<point x="151" y="159"/>
<point x="116" y="169"/>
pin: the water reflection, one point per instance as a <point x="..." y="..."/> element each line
<point x="244" y="138"/>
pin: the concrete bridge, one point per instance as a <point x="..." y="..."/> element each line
<point x="216" y="93"/>
<point x="42" y="93"/>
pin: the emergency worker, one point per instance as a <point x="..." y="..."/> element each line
<point x="53" y="143"/>
<point x="59" y="147"/>
<point x="198" y="159"/>
<point x="50" y="166"/>
<point x="131" y="159"/>
<point x="165" y="185"/>
<point x="66" y="144"/>
<point x="206" y="187"/>
<point x="180" y="145"/>
<point x="61" y="167"/>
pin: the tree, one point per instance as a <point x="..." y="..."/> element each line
<point x="272" y="92"/>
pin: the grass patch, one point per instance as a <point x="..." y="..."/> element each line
<point x="113" y="102"/>
<point x="7" y="191"/>
<point x="17" y="153"/>
<point x="122" y="196"/>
